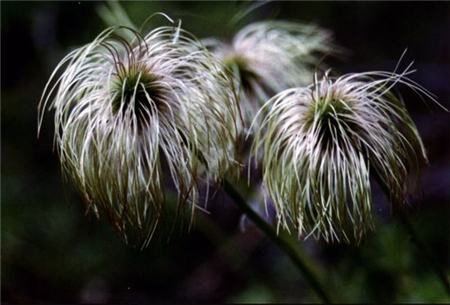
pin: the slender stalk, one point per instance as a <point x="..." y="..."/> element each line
<point x="268" y="230"/>
<point x="420" y="244"/>
<point x="284" y="245"/>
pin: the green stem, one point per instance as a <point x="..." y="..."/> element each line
<point x="284" y="245"/>
<point x="268" y="230"/>
<point x="420" y="244"/>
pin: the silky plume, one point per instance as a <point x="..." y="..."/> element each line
<point x="321" y="144"/>
<point x="132" y="111"/>
<point x="268" y="57"/>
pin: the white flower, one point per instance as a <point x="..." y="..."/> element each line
<point x="321" y="143"/>
<point x="127" y="109"/>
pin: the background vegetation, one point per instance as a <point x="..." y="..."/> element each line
<point x="53" y="253"/>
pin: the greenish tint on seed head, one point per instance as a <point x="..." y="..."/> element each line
<point x="241" y="68"/>
<point x="136" y="88"/>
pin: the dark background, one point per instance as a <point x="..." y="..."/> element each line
<point x="53" y="253"/>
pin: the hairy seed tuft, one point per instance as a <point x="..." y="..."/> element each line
<point x="321" y="144"/>
<point x="136" y="114"/>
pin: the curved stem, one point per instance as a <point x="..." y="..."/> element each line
<point x="404" y="219"/>
<point x="420" y="244"/>
<point x="284" y="245"/>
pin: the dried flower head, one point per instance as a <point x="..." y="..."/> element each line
<point x="126" y="109"/>
<point x="321" y="143"/>
<point x="268" y="57"/>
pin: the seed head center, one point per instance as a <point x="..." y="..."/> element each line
<point x="136" y="92"/>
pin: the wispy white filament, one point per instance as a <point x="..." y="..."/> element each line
<point x="271" y="56"/>
<point x="124" y="107"/>
<point x="320" y="144"/>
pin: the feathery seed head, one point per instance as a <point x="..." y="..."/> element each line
<point x="124" y="105"/>
<point x="268" y="57"/>
<point x="319" y="144"/>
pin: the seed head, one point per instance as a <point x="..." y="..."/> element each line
<point x="127" y="109"/>
<point x="268" y="57"/>
<point x="321" y="143"/>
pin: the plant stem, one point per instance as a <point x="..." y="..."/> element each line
<point x="420" y="244"/>
<point x="422" y="247"/>
<point x="284" y="245"/>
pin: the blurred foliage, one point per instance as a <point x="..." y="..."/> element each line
<point x="53" y="253"/>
